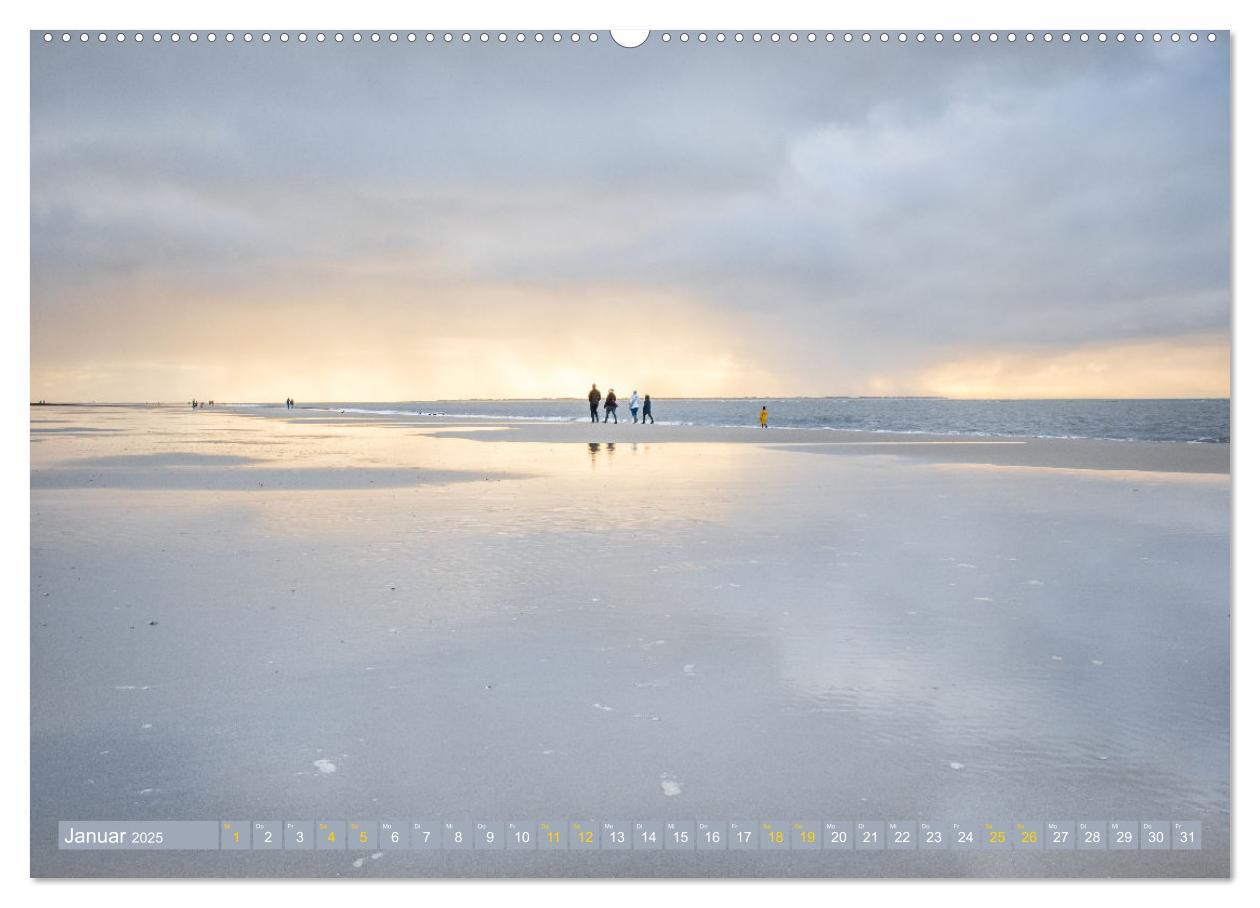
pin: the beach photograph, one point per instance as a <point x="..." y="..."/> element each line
<point x="692" y="454"/>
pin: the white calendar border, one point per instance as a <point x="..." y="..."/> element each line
<point x="731" y="14"/>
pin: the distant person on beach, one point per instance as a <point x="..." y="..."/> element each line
<point x="593" y="397"/>
<point x="647" y="409"/>
<point x="194" y="403"/>
<point x="610" y="406"/>
<point x="764" y="417"/>
<point x="634" y="405"/>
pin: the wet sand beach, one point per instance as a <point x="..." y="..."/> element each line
<point x="272" y="614"/>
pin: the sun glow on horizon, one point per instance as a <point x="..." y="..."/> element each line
<point x="564" y="366"/>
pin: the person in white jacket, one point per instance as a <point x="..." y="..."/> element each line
<point x="634" y="405"/>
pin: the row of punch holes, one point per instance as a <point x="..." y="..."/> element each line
<point x="592" y="37"/>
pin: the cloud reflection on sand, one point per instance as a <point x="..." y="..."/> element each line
<point x="770" y="632"/>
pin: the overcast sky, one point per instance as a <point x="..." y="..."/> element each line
<point x="410" y="221"/>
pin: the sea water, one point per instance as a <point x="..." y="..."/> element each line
<point x="1196" y="420"/>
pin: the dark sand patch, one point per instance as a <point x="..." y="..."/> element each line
<point x="75" y="430"/>
<point x="158" y="461"/>
<point x="255" y="479"/>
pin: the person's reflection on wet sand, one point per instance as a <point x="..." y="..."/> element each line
<point x="595" y="447"/>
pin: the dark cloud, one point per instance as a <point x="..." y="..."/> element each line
<point x="919" y="198"/>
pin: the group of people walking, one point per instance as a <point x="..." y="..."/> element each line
<point x="289" y="403"/>
<point x="610" y="405"/>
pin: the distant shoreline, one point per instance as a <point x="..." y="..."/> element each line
<point x="579" y="400"/>
<point x="1203" y="421"/>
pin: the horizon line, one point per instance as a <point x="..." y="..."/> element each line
<point x="160" y="403"/>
